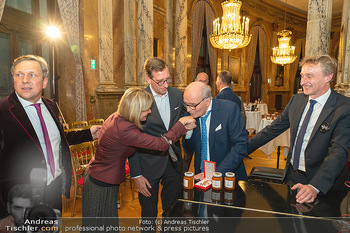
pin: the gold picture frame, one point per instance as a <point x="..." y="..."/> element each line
<point x="234" y="66"/>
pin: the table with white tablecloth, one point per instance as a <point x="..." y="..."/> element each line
<point x="253" y="121"/>
<point x="282" y="140"/>
<point x="262" y="107"/>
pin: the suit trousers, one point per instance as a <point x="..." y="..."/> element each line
<point x="294" y="177"/>
<point x="171" y="182"/>
<point x="53" y="194"/>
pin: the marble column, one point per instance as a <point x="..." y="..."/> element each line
<point x="169" y="33"/>
<point x="319" y="20"/>
<point x="144" y="36"/>
<point x="130" y="42"/>
<point x="105" y="24"/>
<point x="180" y="43"/>
<point x="343" y="78"/>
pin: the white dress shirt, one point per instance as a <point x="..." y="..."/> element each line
<point x="54" y="134"/>
<point x="163" y="105"/>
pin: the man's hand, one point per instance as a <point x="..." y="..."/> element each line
<point x="142" y="184"/>
<point x="7" y="222"/>
<point x="306" y="194"/>
<point x="95" y="131"/>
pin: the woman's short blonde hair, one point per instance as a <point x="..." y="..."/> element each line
<point x="134" y="101"/>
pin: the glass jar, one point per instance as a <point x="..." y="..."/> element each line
<point x="217" y="181"/>
<point x="188" y="180"/>
<point x="229" y="196"/>
<point x="230" y="181"/>
<point x="188" y="194"/>
<point x="216" y="196"/>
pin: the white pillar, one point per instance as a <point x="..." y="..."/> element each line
<point x="319" y="20"/>
<point x="180" y="43"/>
<point x="144" y="36"/>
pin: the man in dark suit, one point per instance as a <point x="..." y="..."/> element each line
<point x="223" y="82"/>
<point x="25" y="148"/>
<point x="319" y="145"/>
<point x="147" y="167"/>
<point x="223" y="139"/>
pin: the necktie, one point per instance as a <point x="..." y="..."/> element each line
<point x="301" y="135"/>
<point x="204" y="139"/>
<point x="50" y="158"/>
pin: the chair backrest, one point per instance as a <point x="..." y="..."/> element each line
<point x="65" y="126"/>
<point x="96" y="122"/>
<point x="79" y="124"/>
<point x="83" y="152"/>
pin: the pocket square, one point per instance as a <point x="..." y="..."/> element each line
<point x="176" y="108"/>
<point x="218" y="128"/>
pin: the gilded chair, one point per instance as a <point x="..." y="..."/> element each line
<point x="79" y="124"/>
<point x="96" y="122"/>
<point x="81" y="155"/>
<point x="65" y="126"/>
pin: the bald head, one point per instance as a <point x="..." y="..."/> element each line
<point x="202" y="77"/>
<point x="197" y="97"/>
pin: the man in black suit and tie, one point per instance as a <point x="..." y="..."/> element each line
<point x="319" y="122"/>
<point x="33" y="144"/>
<point x="223" y="82"/>
<point x="147" y="167"/>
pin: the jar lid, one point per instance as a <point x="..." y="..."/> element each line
<point x="188" y="173"/>
<point x="217" y="174"/>
<point x="230" y="174"/>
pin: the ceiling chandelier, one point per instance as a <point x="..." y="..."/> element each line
<point x="283" y="54"/>
<point x="233" y="31"/>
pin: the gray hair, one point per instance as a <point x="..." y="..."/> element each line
<point x="40" y="60"/>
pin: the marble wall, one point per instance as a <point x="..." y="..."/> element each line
<point x="119" y="35"/>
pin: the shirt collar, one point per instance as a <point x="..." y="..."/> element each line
<point x="26" y="103"/>
<point x="223" y="88"/>
<point x="323" y="98"/>
<point x="209" y="108"/>
<point x="156" y="95"/>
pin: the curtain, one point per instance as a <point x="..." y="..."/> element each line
<point x="299" y="46"/>
<point x="69" y="10"/>
<point x="251" y="56"/>
<point x="197" y="30"/>
<point x="213" y="53"/>
<point x="263" y="57"/>
<point x="2" y="7"/>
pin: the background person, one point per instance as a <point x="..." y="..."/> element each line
<point x="320" y="144"/>
<point x="22" y="141"/>
<point x="202" y="77"/>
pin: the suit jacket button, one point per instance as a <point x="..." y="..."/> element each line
<point x="42" y="161"/>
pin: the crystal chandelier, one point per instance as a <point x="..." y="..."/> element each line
<point x="283" y="54"/>
<point x="233" y="31"/>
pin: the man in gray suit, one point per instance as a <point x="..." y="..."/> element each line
<point x="147" y="167"/>
<point x="319" y="145"/>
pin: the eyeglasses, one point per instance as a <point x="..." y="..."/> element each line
<point x="193" y="107"/>
<point x="161" y="83"/>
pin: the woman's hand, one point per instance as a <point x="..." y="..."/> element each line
<point x="189" y="122"/>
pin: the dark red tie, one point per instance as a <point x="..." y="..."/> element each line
<point x="50" y="158"/>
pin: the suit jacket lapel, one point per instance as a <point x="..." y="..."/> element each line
<point x="155" y="112"/>
<point x="298" y="113"/>
<point x="18" y="112"/>
<point x="327" y="109"/>
<point x="214" y="122"/>
<point x="172" y="100"/>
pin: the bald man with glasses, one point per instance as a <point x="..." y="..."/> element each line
<point x="147" y="167"/>
<point x="220" y="134"/>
